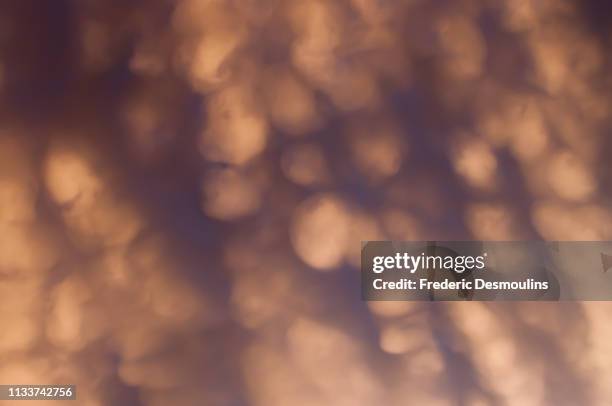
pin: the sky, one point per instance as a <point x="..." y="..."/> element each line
<point x="185" y="185"/>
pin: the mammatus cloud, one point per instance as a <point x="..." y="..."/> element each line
<point x="174" y="176"/>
